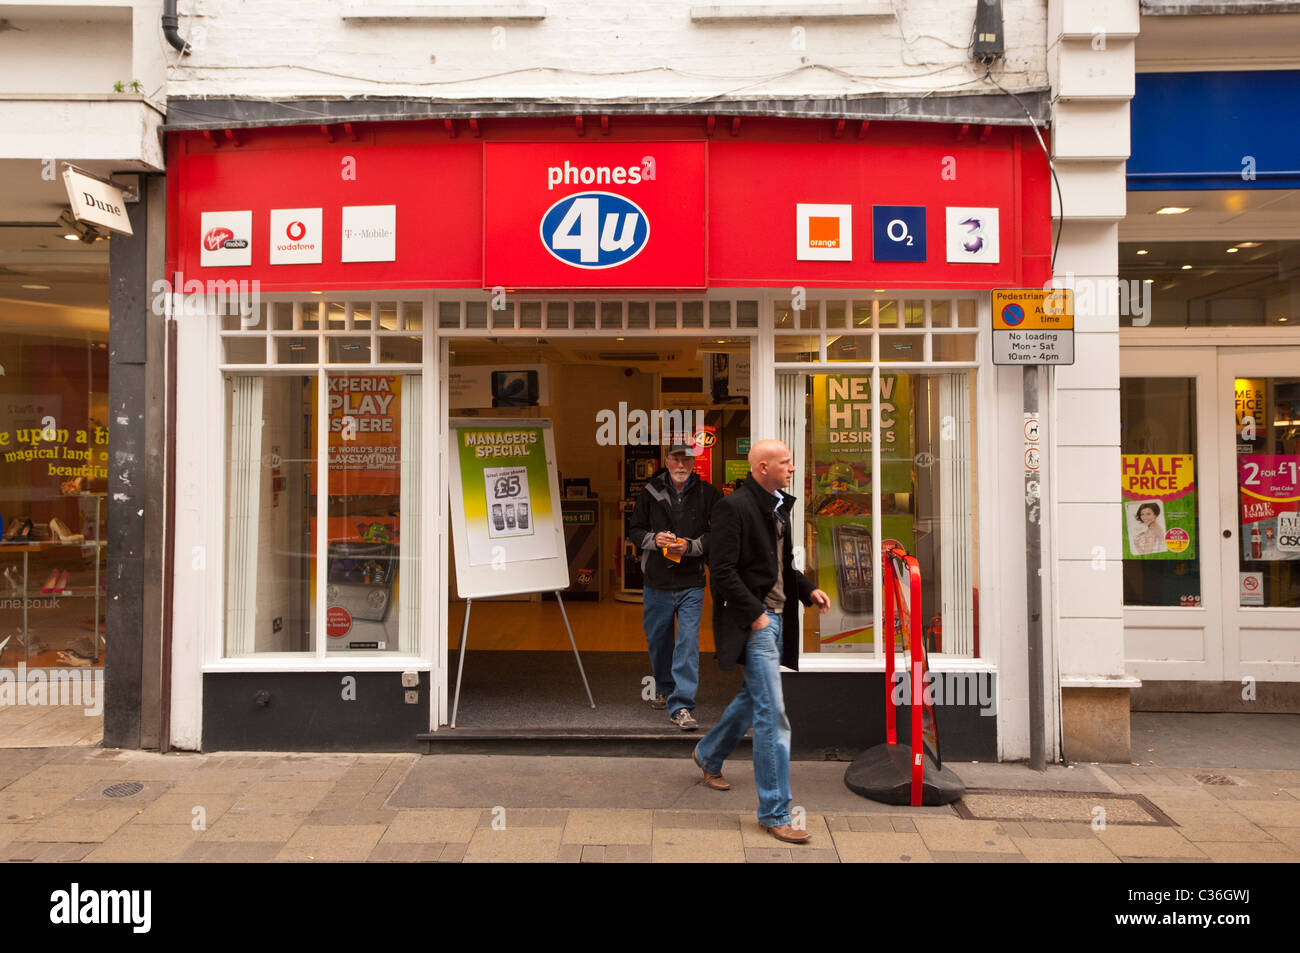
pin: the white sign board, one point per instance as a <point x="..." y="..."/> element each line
<point x="1033" y="347"/>
<point x="96" y="202"/>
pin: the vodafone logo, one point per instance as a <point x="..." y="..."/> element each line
<point x="217" y="238"/>
<point x="295" y="236"/>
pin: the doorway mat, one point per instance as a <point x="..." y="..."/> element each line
<point x="1131" y="810"/>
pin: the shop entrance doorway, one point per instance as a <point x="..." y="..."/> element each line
<point x="620" y="380"/>
<point x="1210" y="450"/>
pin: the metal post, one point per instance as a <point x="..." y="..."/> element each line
<point x="460" y="669"/>
<point x="1034" y="585"/>
<point x="575" y="648"/>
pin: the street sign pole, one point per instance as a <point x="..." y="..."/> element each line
<point x="1033" y="327"/>
<point x="1033" y="574"/>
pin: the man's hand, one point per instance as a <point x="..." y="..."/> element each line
<point x="820" y="600"/>
<point x="762" y="622"/>
<point x="678" y="547"/>
<point x="664" y="539"/>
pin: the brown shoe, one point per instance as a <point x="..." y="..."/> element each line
<point x="787" y="833"/>
<point x="715" y="781"/>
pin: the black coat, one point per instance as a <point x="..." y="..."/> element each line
<point x="742" y="571"/>
<point x="659" y="511"/>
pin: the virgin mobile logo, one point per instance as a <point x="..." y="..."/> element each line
<point x="595" y="230"/>
<point x="222" y="237"/>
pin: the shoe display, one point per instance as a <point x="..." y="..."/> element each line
<point x="659" y="703"/>
<point x="59" y="530"/>
<point x="788" y="833"/>
<point x="51" y="581"/>
<point x="715" y="781"/>
<point x="65" y="580"/>
<point x="19" y="531"/>
<point x="684" y="720"/>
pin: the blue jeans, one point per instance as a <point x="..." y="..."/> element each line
<point x="760" y="702"/>
<point x="675" y="663"/>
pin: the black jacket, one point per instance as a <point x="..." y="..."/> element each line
<point x="742" y="571"/>
<point x="659" y="511"/>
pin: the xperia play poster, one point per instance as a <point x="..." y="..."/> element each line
<point x="1268" y="486"/>
<point x="1159" y="495"/>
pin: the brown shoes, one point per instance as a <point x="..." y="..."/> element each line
<point x="788" y="833"/>
<point x="715" y="781"/>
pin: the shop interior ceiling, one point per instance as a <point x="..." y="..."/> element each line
<point x="33" y="251"/>
<point x="678" y="355"/>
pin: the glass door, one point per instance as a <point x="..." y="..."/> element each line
<point x="1260" y="510"/>
<point x="1168" y="481"/>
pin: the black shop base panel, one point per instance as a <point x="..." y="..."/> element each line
<point x="533" y="702"/>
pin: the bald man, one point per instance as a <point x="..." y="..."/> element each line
<point x="756" y="603"/>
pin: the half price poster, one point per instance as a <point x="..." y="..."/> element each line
<point x="1159" y="497"/>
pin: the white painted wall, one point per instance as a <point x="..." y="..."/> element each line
<point x="1091" y="56"/>
<point x="640" y="50"/>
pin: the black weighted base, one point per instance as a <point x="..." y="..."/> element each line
<point x="884" y="774"/>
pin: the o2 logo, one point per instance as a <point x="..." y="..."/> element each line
<point x="595" y="230"/>
<point x="898" y="232"/>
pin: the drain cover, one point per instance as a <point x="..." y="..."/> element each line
<point x="1215" y="779"/>
<point x="123" y="789"/>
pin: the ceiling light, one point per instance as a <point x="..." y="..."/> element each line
<point x="37" y="287"/>
<point x="1187" y="267"/>
<point x="1142" y="251"/>
<point x="1247" y="244"/>
<point x="1283" y="319"/>
<point x="73" y="238"/>
<point x="1172" y="210"/>
<point x="1233" y="251"/>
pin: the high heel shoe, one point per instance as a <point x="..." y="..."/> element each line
<point x="59" y="530"/>
<point x="52" y="581"/>
<point x="19" y="531"/>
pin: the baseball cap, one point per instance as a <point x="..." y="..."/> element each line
<point x="681" y="448"/>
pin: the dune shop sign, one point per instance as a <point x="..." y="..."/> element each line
<point x="96" y="201"/>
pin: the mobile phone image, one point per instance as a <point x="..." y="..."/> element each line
<point x="523" y="516"/>
<point x="853" y="568"/>
<point x="510" y="515"/>
<point x="498" y="519"/>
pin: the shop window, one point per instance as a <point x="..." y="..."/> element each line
<point x="918" y="331"/>
<point x="925" y="490"/>
<point x="368" y="514"/>
<point x="1268" y="483"/>
<point x="1159" y="461"/>
<point x="54" y="455"/>
<point x="1200" y="285"/>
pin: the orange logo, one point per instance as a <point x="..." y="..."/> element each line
<point x="823" y="231"/>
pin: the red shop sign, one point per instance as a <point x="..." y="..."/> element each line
<point x="594" y="214"/>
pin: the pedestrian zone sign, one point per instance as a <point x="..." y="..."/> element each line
<point x="1033" y="326"/>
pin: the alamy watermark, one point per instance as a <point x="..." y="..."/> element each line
<point x="949" y="688"/>
<point x="1107" y="297"/>
<point x="193" y="297"/>
<point x="82" y="688"/>
<point x="648" y="428"/>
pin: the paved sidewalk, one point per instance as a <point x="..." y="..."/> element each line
<point x="1192" y="804"/>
